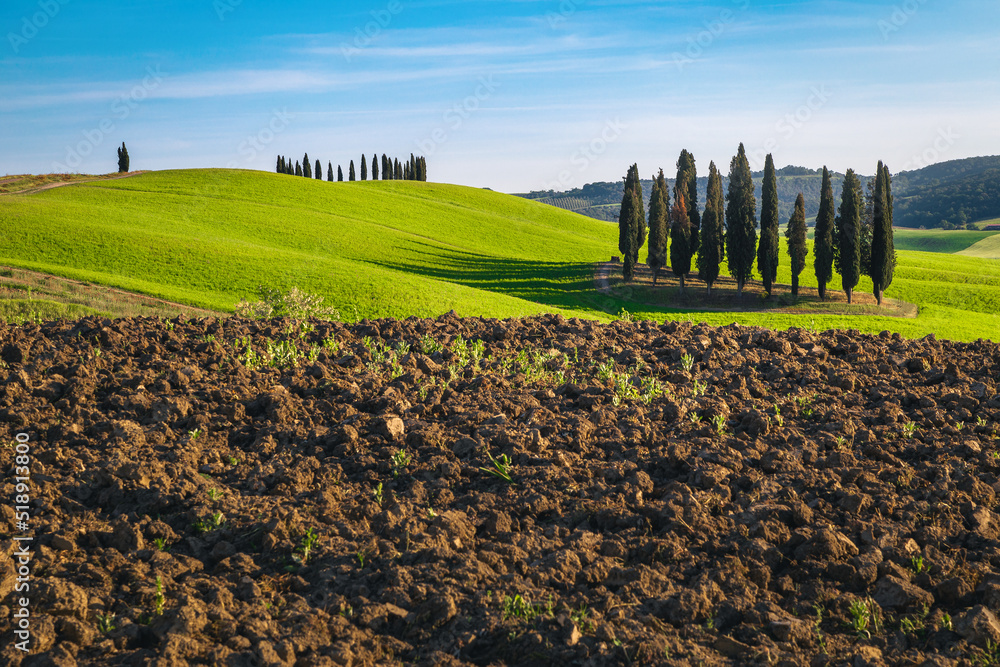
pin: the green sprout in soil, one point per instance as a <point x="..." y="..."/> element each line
<point x="429" y="346"/>
<point x="778" y="419"/>
<point x="519" y="607"/>
<point x="909" y="428"/>
<point x="400" y="460"/>
<point x="699" y="388"/>
<point x="917" y="565"/>
<point x="161" y="544"/>
<point x="306" y="546"/>
<point x="865" y="617"/>
<point x="687" y="363"/>
<point x="719" y="422"/>
<point x="378" y="494"/>
<point x="501" y="467"/>
<point x="213" y="522"/>
<point x="105" y="623"/>
<point x="159" y="600"/>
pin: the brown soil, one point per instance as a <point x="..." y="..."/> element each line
<point x="698" y="528"/>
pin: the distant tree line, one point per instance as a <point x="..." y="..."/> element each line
<point x="414" y="169"/>
<point x="855" y="238"/>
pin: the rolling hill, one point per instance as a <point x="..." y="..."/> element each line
<point x="208" y="238"/>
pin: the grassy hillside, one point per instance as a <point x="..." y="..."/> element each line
<point x="397" y="248"/>
<point x="988" y="248"/>
<point x="938" y="240"/>
<point x="386" y="248"/>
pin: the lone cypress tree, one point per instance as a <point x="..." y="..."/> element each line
<point x="883" y="257"/>
<point x="767" y="253"/>
<point x="687" y="183"/>
<point x="709" y="253"/>
<point x="329" y="171"/>
<point x="658" y="226"/>
<point x="298" y="168"/>
<point x="680" y="239"/>
<point x="741" y="220"/>
<point x="364" y="168"/>
<point x="849" y="233"/>
<point x="375" y="167"/>
<point x="123" y="159"/>
<point x="350" y="171"/>
<point x="823" y="261"/>
<point x="318" y="171"/>
<point x="797" y="247"/>
<point x="306" y="167"/>
<point x="340" y="174"/>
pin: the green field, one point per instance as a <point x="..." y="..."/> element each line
<point x="397" y="248"/>
<point x="938" y="240"/>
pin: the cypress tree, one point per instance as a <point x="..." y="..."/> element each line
<point x="626" y="220"/>
<point x="280" y="167"/>
<point x="413" y="168"/>
<point x="798" y="249"/>
<point x="849" y="234"/>
<point x="306" y="167"/>
<point x="657" y="257"/>
<point x="318" y="171"/>
<point x="631" y="219"/>
<point x="375" y="167"/>
<point x="823" y="244"/>
<point x="329" y="172"/>
<point x="687" y="182"/>
<point x="767" y="253"/>
<point x="298" y="168"/>
<point x="867" y="222"/>
<point x="709" y="254"/>
<point x="421" y="168"/>
<point x="385" y="168"/>
<point x="340" y="174"/>
<point x="364" y="168"/>
<point x="680" y="239"/>
<point x="741" y="220"/>
<point x="397" y="171"/>
<point x="883" y="254"/>
<point x="350" y="172"/>
<point x="123" y="159"/>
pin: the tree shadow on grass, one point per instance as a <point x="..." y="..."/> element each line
<point x="567" y="285"/>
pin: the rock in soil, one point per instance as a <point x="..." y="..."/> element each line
<point x="483" y="492"/>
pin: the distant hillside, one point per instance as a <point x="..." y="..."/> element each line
<point x="949" y="194"/>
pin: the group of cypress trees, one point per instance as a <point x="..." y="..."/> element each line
<point x="414" y="169"/>
<point x="856" y="239"/>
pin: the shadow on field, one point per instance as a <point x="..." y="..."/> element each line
<point x="562" y="284"/>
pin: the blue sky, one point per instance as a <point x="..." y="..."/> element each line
<point x="515" y="95"/>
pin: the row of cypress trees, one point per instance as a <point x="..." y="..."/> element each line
<point x="856" y="240"/>
<point x="414" y="169"/>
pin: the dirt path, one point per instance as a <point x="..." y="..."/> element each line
<point x="753" y="292"/>
<point x="50" y="186"/>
